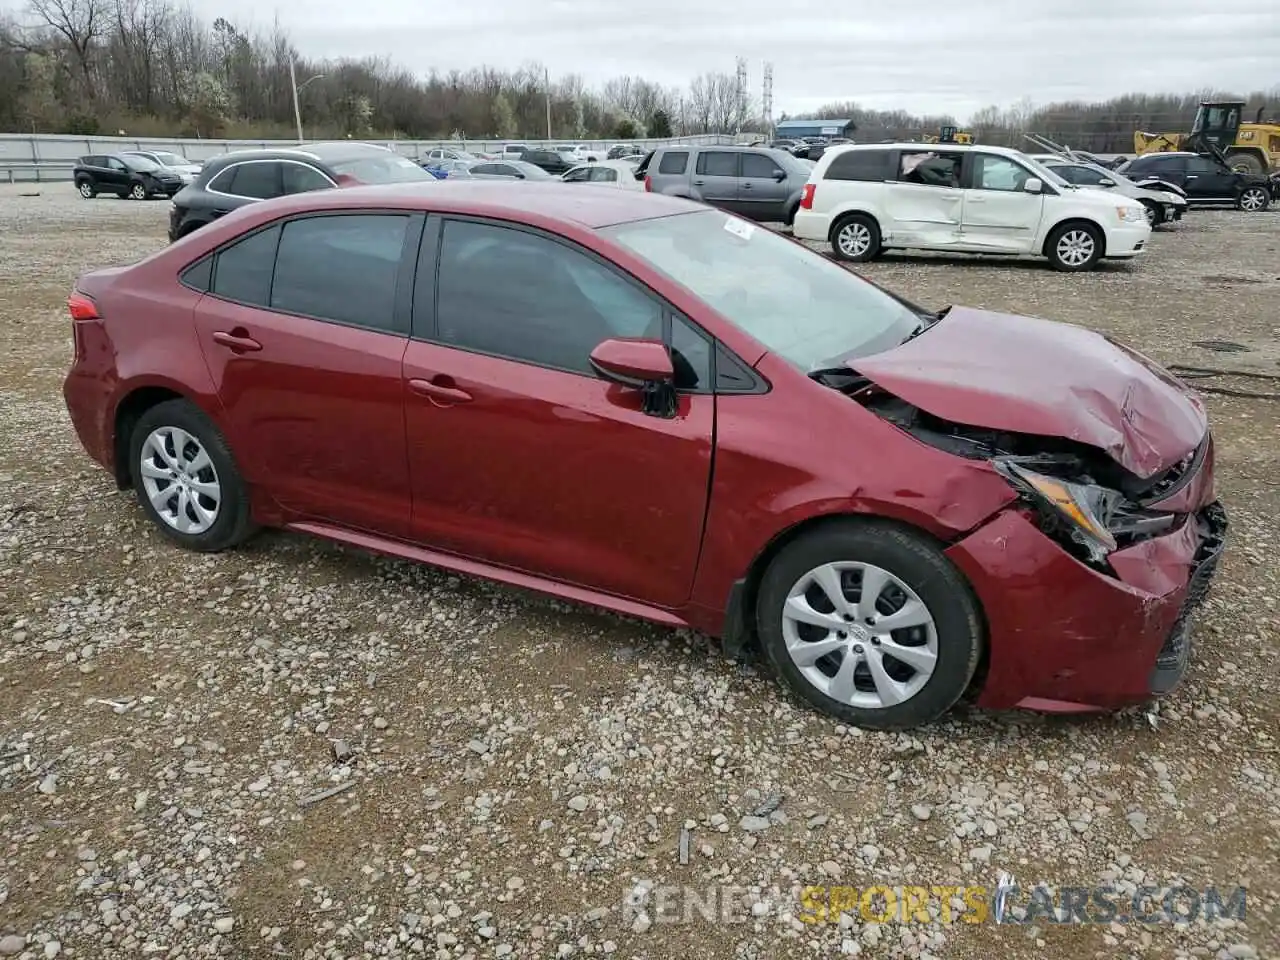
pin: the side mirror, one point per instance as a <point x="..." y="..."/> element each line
<point x="1033" y="185"/>
<point x="633" y="363"/>
<point x="1106" y="182"/>
<point x="779" y="175"/>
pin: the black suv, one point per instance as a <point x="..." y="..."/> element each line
<point x="247" y="176"/>
<point x="125" y="175"/>
<point x="1203" y="179"/>
<point x="552" y="161"/>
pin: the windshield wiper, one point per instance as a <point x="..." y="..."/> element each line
<point x="927" y="320"/>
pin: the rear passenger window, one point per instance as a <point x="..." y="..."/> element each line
<point x="930" y="169"/>
<point x="341" y="268"/>
<point x="199" y="275"/>
<point x="261" y="181"/>
<point x="716" y="163"/>
<point x="870" y="165"/>
<point x="243" y="270"/>
<point x="677" y="161"/>
<point x="222" y="182"/>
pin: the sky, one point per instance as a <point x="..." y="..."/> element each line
<point x="925" y="56"/>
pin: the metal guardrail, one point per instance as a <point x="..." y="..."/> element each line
<point x="42" y="158"/>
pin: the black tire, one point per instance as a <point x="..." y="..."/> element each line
<point x="1056" y="255"/>
<point x="859" y="227"/>
<point x="1246" y="163"/>
<point x="233" y="523"/>
<point x="87" y="189"/>
<point x="1155" y="212"/>
<point x="1254" y="199"/>
<point x="921" y="566"/>
<point x="138" y="192"/>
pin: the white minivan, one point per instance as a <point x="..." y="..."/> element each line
<point x="867" y="198"/>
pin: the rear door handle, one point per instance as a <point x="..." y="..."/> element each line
<point x="698" y="183"/>
<point x="746" y="186"/>
<point x="439" y="394"/>
<point x="236" y="342"/>
<point x="975" y="199"/>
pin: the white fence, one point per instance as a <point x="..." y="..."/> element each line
<point x="25" y="157"/>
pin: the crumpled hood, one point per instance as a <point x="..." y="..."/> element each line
<point x="1022" y="375"/>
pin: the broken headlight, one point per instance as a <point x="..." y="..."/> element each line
<point x="1083" y="510"/>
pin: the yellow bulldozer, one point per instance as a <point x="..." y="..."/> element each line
<point x="1247" y="147"/>
<point x="949" y="135"/>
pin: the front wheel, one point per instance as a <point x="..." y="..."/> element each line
<point x="186" y="479"/>
<point x="1074" y="247"/>
<point x="138" y="192"/>
<point x="869" y="623"/>
<point x="1155" y="213"/>
<point x="855" y="238"/>
<point x="1254" y="200"/>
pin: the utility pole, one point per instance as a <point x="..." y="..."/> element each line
<point x="767" y="99"/>
<point x="740" y="105"/>
<point x="293" y="85"/>
<point x="546" y="73"/>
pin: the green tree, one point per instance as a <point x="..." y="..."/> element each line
<point x="39" y="101"/>
<point x="208" y="104"/>
<point x="504" y="117"/>
<point x="660" y="124"/>
<point x="626" y="129"/>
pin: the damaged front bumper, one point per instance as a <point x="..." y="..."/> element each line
<point x="1064" y="637"/>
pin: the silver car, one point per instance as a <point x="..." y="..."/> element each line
<point x="1162" y="206"/>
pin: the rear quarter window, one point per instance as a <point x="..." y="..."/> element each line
<point x="865" y="165"/>
<point x="675" y="162"/>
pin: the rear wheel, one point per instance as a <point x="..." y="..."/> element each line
<point x="1254" y="199"/>
<point x="869" y="623"/>
<point x="86" y="189"/>
<point x="1074" y="247"/>
<point x="855" y="238"/>
<point x="186" y="479"/>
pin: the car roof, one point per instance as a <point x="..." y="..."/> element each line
<point x="334" y="152"/>
<point x="546" y="202"/>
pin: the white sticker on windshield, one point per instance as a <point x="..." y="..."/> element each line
<point x="739" y="228"/>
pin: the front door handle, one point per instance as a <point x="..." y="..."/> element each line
<point x="746" y="186"/>
<point x="698" y="183"/>
<point x="441" y="395"/>
<point x="237" y="341"/>
<point x="977" y="200"/>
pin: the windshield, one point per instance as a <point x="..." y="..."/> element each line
<point x="388" y="169"/>
<point x="795" y="302"/>
<point x="532" y="172"/>
<point x="140" y="164"/>
<point x="171" y="159"/>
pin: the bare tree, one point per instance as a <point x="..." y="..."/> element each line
<point x="81" y="23"/>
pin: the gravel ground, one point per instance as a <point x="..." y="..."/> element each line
<point x="513" y="768"/>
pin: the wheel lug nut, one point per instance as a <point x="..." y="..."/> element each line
<point x="857" y="648"/>
<point x="842" y="635"/>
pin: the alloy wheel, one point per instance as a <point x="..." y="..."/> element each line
<point x="854" y="239"/>
<point x="1151" y="215"/>
<point x="139" y="192"/>
<point x="86" y="190"/>
<point x="1075" y="247"/>
<point x="860" y="635"/>
<point x="1253" y="200"/>
<point x="179" y="479"/>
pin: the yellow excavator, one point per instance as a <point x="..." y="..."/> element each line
<point x="949" y="135"/>
<point x="1247" y="147"/>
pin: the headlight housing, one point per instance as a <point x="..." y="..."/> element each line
<point x="1131" y="214"/>
<point x="1083" y="511"/>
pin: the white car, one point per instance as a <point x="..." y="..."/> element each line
<point x="188" y="170"/>
<point x="1161" y="205"/>
<point x="606" y="173"/>
<point x="578" y="152"/>
<point x="867" y="198"/>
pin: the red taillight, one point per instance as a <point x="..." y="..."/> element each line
<point x="82" y="308"/>
<point x="648" y="184"/>
<point x="346" y="180"/>
<point x="806" y="196"/>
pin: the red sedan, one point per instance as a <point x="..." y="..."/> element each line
<point x="638" y="402"/>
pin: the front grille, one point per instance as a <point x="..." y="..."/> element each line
<point x="1212" y="523"/>
<point x="1172" y="480"/>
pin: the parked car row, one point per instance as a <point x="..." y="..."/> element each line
<point x="427" y="371"/>
<point x="137" y="174"/>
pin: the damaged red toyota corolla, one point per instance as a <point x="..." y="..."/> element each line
<point x="641" y="403"/>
